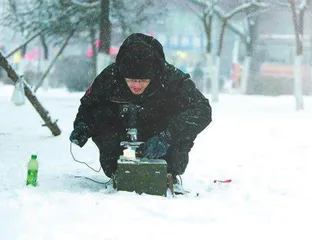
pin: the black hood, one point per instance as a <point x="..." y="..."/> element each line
<point x="141" y="56"/>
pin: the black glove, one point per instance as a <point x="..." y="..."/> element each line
<point x="157" y="146"/>
<point x="80" y="134"/>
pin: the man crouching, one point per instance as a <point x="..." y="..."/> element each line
<point x="171" y="111"/>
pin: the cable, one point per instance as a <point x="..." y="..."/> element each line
<point x="76" y="176"/>
<point x="104" y="183"/>
<point x="71" y="152"/>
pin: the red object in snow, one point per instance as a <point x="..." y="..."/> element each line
<point x="222" y="181"/>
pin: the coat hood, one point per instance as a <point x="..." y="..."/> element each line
<point x="141" y="56"/>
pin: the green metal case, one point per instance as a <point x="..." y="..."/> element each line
<point x="142" y="176"/>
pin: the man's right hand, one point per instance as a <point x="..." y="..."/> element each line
<point x="80" y="134"/>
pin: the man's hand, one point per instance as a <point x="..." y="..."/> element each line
<point x="156" y="147"/>
<point x="80" y="134"/>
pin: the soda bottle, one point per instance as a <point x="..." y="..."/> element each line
<point x="32" y="171"/>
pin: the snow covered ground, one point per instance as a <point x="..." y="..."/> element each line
<point x="261" y="143"/>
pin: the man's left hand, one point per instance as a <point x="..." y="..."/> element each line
<point x="156" y="147"/>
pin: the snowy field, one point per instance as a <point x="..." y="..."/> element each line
<point x="261" y="143"/>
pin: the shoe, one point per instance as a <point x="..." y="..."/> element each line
<point x="113" y="181"/>
<point x="174" y="185"/>
<point x="177" y="185"/>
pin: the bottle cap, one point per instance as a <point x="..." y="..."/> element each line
<point x="34" y="156"/>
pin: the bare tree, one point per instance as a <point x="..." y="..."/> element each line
<point x="215" y="8"/>
<point x="251" y="65"/>
<point x="205" y="14"/>
<point x="298" y="20"/>
<point x="24" y="43"/>
<point x="225" y="17"/>
<point x="54" y="60"/>
<point x="86" y="16"/>
<point x="251" y="11"/>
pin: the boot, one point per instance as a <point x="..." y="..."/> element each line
<point x="175" y="185"/>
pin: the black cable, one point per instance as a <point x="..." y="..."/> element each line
<point x="71" y="152"/>
<point x="104" y="183"/>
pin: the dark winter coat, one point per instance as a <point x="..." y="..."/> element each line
<point x="171" y="102"/>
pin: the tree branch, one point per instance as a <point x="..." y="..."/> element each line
<point x="26" y="42"/>
<point x="31" y="97"/>
<point x="232" y="26"/>
<point x="80" y="3"/>
<point x="237" y="10"/>
<point x="54" y="60"/>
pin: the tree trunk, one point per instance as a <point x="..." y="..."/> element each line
<point x="253" y="85"/>
<point x="23" y="50"/>
<point x="207" y="79"/>
<point x="298" y="28"/>
<point x="103" y="57"/>
<point x="45" y="47"/>
<point x="94" y="50"/>
<point x="245" y="74"/>
<point x="105" y="27"/>
<point x="246" y="69"/>
<point x="216" y="80"/>
<point x="298" y="82"/>
<point x="207" y="20"/>
<point x="31" y="97"/>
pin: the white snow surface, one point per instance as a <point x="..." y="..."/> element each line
<point x="259" y="142"/>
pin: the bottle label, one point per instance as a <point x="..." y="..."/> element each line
<point x="32" y="177"/>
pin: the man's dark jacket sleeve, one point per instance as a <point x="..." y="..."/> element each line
<point x="196" y="115"/>
<point x="92" y="99"/>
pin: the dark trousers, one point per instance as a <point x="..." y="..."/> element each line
<point x="177" y="156"/>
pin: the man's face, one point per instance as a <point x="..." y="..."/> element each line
<point x="137" y="86"/>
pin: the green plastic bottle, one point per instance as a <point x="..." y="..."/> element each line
<point x="32" y="171"/>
